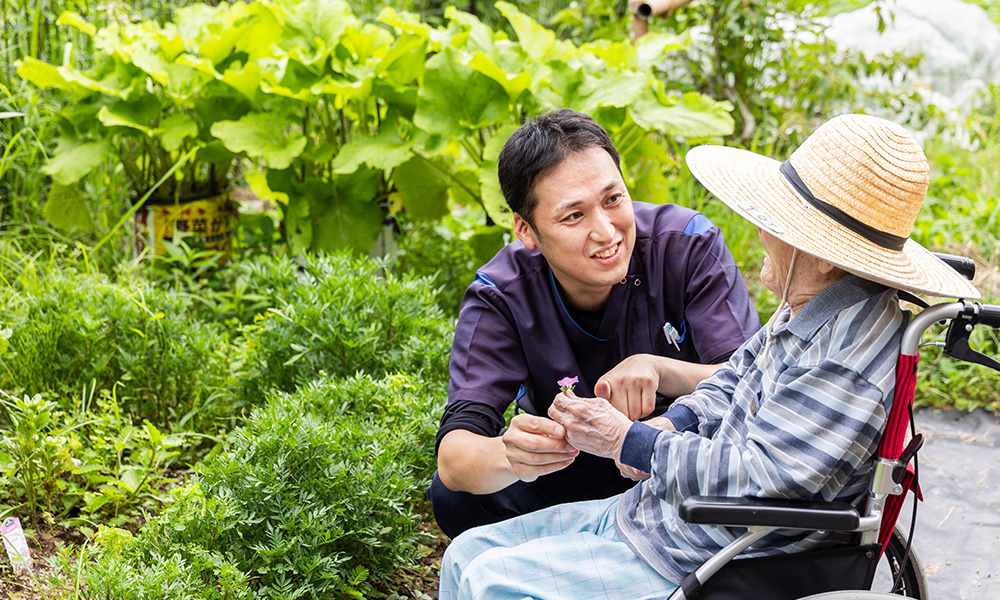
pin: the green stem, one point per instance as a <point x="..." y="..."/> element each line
<point x="451" y="177"/>
<point x="627" y="144"/>
<point x="475" y="153"/>
<point x="36" y="23"/>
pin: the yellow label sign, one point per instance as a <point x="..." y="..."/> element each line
<point x="205" y="224"/>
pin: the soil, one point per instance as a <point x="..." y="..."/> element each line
<point x="38" y="584"/>
<point x="421" y="581"/>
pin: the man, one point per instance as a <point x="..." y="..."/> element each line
<point x="631" y="299"/>
<point x="798" y="410"/>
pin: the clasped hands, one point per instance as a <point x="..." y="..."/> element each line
<point x="537" y="446"/>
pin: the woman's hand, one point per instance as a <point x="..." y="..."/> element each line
<point x="592" y="424"/>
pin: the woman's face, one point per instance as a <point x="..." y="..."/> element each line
<point x="779" y="257"/>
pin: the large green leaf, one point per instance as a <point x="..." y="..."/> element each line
<point x="486" y="241"/>
<point x="612" y="87"/>
<point x="651" y="48"/>
<point x="45" y="75"/>
<point x="617" y="55"/>
<point x="261" y="30"/>
<point x="456" y="100"/>
<point x="245" y="80"/>
<point x="489" y="185"/>
<point x="404" y="63"/>
<point x="230" y="31"/>
<point x="409" y="23"/>
<point x="536" y="40"/>
<point x="344" y="214"/>
<point x="77" y="22"/>
<point x="72" y="159"/>
<point x="360" y="47"/>
<point x="138" y="114"/>
<point x="693" y="116"/>
<point x="313" y="27"/>
<point x="174" y="129"/>
<point x="383" y="152"/>
<point x="146" y="55"/>
<point x="184" y="81"/>
<point x="259" y="136"/>
<point x="192" y="20"/>
<point x="67" y="210"/>
<point x="514" y="83"/>
<point x="423" y="187"/>
<point x="113" y="78"/>
<point x="464" y="189"/>
<point x="474" y="35"/>
<point x="328" y="216"/>
<point x="214" y="153"/>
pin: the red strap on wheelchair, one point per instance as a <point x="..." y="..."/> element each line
<point x="893" y="437"/>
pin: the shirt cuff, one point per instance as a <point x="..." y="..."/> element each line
<point x="637" y="450"/>
<point x="682" y="417"/>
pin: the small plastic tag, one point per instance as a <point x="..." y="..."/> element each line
<point x="17" y="546"/>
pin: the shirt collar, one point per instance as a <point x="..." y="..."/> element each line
<point x="846" y="291"/>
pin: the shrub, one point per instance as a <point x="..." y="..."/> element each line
<point x="313" y="500"/>
<point x="71" y="330"/>
<point x="344" y="315"/>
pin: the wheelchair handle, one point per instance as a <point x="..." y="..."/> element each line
<point x="985" y="314"/>
<point x="966" y="267"/>
<point x="989" y="315"/>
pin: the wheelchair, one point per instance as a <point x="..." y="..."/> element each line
<point x="883" y="556"/>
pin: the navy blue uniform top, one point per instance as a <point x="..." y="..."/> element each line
<point x="515" y="336"/>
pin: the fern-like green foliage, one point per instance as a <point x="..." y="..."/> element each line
<point x="68" y="329"/>
<point x="344" y="316"/>
<point x="313" y="500"/>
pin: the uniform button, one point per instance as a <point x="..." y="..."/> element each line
<point x="637" y="282"/>
<point x="623" y="280"/>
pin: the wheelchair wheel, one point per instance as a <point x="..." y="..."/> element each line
<point x="912" y="584"/>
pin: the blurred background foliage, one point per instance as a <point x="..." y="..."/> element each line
<point x="189" y="430"/>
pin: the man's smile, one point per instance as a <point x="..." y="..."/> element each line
<point x="608" y="253"/>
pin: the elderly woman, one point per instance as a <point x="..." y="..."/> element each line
<point x="797" y="411"/>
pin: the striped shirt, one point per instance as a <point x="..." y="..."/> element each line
<point x="801" y="421"/>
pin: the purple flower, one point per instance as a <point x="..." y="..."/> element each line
<point x="566" y="384"/>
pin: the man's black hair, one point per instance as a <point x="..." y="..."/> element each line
<point x="539" y="145"/>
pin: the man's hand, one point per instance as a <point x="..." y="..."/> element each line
<point x="631" y="386"/>
<point x="592" y="424"/>
<point x="537" y="446"/>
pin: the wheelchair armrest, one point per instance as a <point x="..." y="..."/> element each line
<point x="769" y="512"/>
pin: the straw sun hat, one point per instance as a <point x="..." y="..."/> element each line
<point x="848" y="195"/>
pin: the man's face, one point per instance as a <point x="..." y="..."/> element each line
<point x="583" y="226"/>
<point x="776" y="263"/>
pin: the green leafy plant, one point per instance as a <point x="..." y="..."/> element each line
<point x="345" y="315"/>
<point x="445" y="252"/>
<point x="142" y="104"/>
<point x="772" y="61"/>
<point x="352" y="121"/>
<point x="74" y="469"/>
<point x="313" y="500"/>
<point x="69" y="328"/>
<point x="35" y="451"/>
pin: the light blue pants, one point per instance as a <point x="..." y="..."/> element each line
<point x="570" y="551"/>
